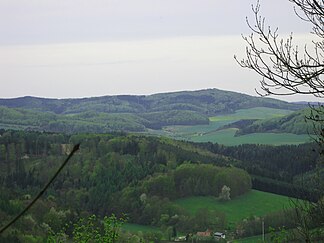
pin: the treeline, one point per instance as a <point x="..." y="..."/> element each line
<point x="277" y="162"/>
<point x="126" y="112"/>
<point x="133" y="174"/>
<point x="292" y="123"/>
<point x="150" y="202"/>
<point x="209" y="101"/>
<point x="95" y="121"/>
<point x="108" y="175"/>
<point x="276" y="169"/>
<point x="287" y="189"/>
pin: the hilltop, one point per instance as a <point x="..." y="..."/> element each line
<point x="135" y="113"/>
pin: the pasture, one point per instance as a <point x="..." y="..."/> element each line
<point x="253" y="203"/>
<point x="253" y="113"/>
<point x="135" y="228"/>
<point x="212" y="132"/>
<point x="227" y="137"/>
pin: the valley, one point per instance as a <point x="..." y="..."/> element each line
<point x="161" y="121"/>
<point x="217" y="132"/>
<point x="168" y="165"/>
<point x="199" y="116"/>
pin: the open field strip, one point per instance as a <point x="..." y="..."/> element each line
<point x="227" y="137"/>
<point x="252" y="113"/>
<point x="255" y="202"/>
<point x="210" y="132"/>
<point x="134" y="228"/>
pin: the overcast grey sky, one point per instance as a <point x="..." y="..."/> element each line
<point x="75" y="48"/>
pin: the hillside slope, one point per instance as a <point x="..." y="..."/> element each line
<point x="292" y="123"/>
<point x="209" y="101"/>
<point x="127" y="112"/>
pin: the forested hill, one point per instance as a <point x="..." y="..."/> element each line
<point x="111" y="173"/>
<point x="126" y="112"/>
<point x="141" y="176"/>
<point x="292" y="123"/>
<point x="209" y="101"/>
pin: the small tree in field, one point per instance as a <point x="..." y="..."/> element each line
<point x="225" y="194"/>
<point x="286" y="69"/>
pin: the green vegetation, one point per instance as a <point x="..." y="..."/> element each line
<point x="252" y="203"/>
<point x="274" y="168"/>
<point x="140" y="176"/>
<point x="253" y="113"/>
<point x="90" y="229"/>
<point x="199" y="116"/>
<point x="227" y="137"/>
<point x="253" y="239"/>
<point x="128" y="112"/>
<point x="219" y="130"/>
<point x="112" y="173"/>
<point x="135" y="228"/>
<point x="292" y="123"/>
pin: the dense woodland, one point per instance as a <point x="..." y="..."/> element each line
<point x="139" y="176"/>
<point x="278" y="169"/>
<point x="111" y="174"/>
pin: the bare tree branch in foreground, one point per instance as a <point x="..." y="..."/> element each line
<point x="75" y="148"/>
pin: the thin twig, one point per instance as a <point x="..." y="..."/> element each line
<point x="75" y="148"/>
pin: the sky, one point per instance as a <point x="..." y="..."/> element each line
<point x="78" y="48"/>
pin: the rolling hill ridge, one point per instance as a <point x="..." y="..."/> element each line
<point x="127" y="112"/>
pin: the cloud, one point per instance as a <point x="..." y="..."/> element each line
<point x="125" y="67"/>
<point x="52" y="21"/>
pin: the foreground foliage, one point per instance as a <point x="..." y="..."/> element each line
<point x="119" y="173"/>
<point x="91" y="229"/>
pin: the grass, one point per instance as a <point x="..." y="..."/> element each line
<point x="253" y="113"/>
<point x="227" y="137"/>
<point x="253" y="203"/>
<point x="252" y="239"/>
<point x="135" y="228"/>
<point x="210" y="133"/>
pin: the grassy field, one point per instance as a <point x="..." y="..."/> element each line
<point x="134" y="228"/>
<point x="227" y="137"/>
<point x="211" y="132"/>
<point x="252" y="113"/>
<point x="253" y="203"/>
<point x="254" y="239"/>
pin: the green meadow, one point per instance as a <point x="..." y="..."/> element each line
<point x="227" y="137"/>
<point x="135" y="228"/>
<point x="254" y="203"/>
<point x="212" y="132"/>
<point x="254" y="239"/>
<point x="253" y="113"/>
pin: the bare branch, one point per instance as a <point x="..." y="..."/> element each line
<point x="284" y="70"/>
<point x="75" y="148"/>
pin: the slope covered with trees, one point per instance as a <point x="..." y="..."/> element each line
<point x="112" y="173"/>
<point x="293" y="123"/>
<point x="126" y="112"/>
<point x="137" y="175"/>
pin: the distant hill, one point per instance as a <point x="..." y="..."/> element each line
<point x="292" y="123"/>
<point x="307" y="103"/>
<point x="127" y="112"/>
